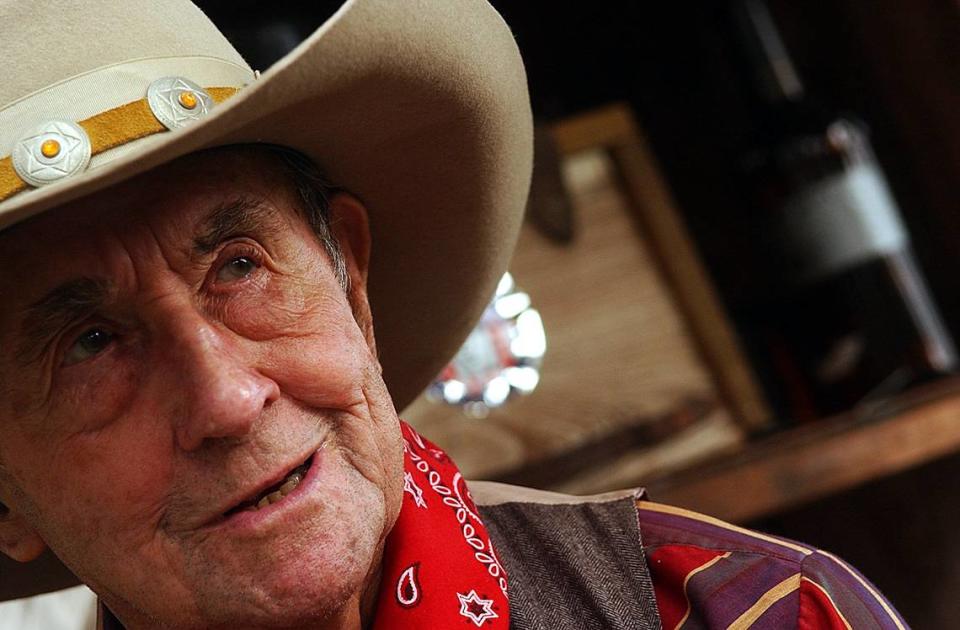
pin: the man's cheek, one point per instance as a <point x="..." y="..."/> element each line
<point x="105" y="477"/>
<point x="320" y="354"/>
<point x="69" y="516"/>
<point x="287" y="306"/>
<point x="320" y="370"/>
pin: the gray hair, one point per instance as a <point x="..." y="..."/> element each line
<point x="314" y="191"/>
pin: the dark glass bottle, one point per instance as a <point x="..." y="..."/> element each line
<point x="841" y="313"/>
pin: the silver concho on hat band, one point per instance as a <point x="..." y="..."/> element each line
<point x="50" y="152"/>
<point x="177" y="102"/>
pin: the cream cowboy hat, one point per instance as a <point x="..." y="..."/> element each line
<point x="419" y="107"/>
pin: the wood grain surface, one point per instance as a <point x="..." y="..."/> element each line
<point x="813" y="461"/>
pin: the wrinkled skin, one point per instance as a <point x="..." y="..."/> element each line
<point x="206" y="373"/>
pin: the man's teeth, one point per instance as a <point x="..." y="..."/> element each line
<point x="289" y="485"/>
<point x="292" y="482"/>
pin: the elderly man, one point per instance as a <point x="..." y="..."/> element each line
<point x="207" y="342"/>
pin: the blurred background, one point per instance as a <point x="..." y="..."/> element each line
<point x="737" y="283"/>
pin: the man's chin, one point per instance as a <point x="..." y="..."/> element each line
<point x="308" y="561"/>
<point x="309" y="581"/>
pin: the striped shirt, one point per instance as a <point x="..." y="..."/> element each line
<point x="711" y="574"/>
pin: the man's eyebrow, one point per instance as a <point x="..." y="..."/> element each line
<point x="66" y="303"/>
<point x="232" y="218"/>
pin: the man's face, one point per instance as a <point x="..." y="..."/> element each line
<point x="174" y="347"/>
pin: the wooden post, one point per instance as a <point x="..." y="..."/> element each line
<point x="613" y="128"/>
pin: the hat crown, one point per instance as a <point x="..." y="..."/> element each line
<point x="43" y="42"/>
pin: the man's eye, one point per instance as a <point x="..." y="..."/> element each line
<point x="237" y="269"/>
<point x="87" y="345"/>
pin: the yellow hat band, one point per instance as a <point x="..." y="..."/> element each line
<point x="107" y="130"/>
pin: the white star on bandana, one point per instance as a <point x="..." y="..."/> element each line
<point x="411" y="488"/>
<point x="476" y="609"/>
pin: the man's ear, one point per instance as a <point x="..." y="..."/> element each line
<point x="350" y="226"/>
<point x="17" y="538"/>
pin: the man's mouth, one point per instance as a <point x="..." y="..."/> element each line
<point x="274" y="493"/>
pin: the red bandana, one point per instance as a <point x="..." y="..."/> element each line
<point x="439" y="566"/>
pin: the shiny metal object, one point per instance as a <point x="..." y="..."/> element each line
<point x="500" y="359"/>
<point x="50" y="152"/>
<point x="177" y="102"/>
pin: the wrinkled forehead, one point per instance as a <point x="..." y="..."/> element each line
<point x="175" y="203"/>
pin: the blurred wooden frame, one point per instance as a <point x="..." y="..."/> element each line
<point x="613" y="129"/>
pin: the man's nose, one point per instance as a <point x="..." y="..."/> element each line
<point x="223" y="395"/>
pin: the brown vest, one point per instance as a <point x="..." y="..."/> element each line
<point x="572" y="562"/>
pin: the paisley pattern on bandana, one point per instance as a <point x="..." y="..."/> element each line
<point x="439" y="567"/>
